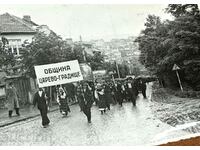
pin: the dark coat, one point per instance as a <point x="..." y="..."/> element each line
<point x="12" y="97"/>
<point x="85" y="98"/>
<point x="71" y="89"/>
<point x="88" y="97"/>
<point x="143" y="86"/>
<point x="119" y="93"/>
<point x="42" y="106"/>
<point x="102" y="100"/>
<point x="131" y="90"/>
<point x="40" y="101"/>
<point x="108" y="94"/>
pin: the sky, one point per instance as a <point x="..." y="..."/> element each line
<point x="90" y="21"/>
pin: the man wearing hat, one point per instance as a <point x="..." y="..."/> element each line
<point x="12" y="97"/>
<point x="84" y="94"/>
<point x="131" y="90"/>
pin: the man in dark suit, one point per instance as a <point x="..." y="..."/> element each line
<point x="119" y="93"/>
<point x="84" y="94"/>
<point x="41" y="100"/>
<point x="131" y="90"/>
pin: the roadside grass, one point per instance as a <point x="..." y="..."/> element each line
<point x="175" y="110"/>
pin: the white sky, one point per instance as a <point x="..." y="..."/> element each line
<point x="89" y="21"/>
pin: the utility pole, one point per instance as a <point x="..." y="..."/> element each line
<point x="117" y="69"/>
<point x="83" y="50"/>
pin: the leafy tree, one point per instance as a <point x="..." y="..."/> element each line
<point x="45" y="49"/>
<point x="123" y="70"/>
<point x="7" y="59"/>
<point x="163" y="44"/>
<point x="78" y="53"/>
<point x="96" y="61"/>
<point x="178" y="10"/>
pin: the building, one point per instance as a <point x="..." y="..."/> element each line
<point x="118" y="50"/>
<point x="69" y="41"/>
<point x="18" y="30"/>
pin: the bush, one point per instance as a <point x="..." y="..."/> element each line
<point x="188" y="94"/>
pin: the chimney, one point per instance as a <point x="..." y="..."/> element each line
<point x="27" y="18"/>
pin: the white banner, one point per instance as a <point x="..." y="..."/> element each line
<point x="58" y="73"/>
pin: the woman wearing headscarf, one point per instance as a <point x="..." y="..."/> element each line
<point x="102" y="98"/>
<point x="62" y="101"/>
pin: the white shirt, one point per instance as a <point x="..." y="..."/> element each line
<point x="129" y="85"/>
<point x="40" y="93"/>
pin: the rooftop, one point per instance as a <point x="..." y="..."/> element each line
<point x="11" y="24"/>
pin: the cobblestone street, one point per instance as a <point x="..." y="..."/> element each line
<point x="125" y="125"/>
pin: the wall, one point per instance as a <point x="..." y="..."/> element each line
<point x="2" y="96"/>
<point x="26" y="87"/>
<point x="23" y="37"/>
<point x="15" y="41"/>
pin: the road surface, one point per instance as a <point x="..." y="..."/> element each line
<point x="125" y="125"/>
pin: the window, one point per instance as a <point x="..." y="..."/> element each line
<point x="14" y="45"/>
<point x="10" y="49"/>
<point x="15" y="50"/>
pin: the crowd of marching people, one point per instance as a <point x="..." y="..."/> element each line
<point x="86" y="93"/>
<point x="110" y="92"/>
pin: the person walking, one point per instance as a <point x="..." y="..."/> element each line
<point x="92" y="85"/>
<point x="131" y="90"/>
<point x="108" y="95"/>
<point x="102" y="99"/>
<point x="113" y="93"/>
<point x="85" y="97"/>
<point x="79" y="94"/>
<point x="62" y="101"/>
<point x="143" y="87"/>
<point x="124" y="91"/>
<point x="40" y="100"/>
<point x="71" y="91"/>
<point x="13" y="99"/>
<point x="119" y="93"/>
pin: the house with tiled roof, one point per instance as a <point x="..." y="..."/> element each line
<point x="17" y="30"/>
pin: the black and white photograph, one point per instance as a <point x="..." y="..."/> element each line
<point x="99" y="74"/>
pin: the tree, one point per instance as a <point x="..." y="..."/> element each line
<point x="178" y="10"/>
<point x="96" y="61"/>
<point x="7" y="58"/>
<point x="163" y="44"/>
<point x="123" y="70"/>
<point x="150" y="41"/>
<point x="45" y="49"/>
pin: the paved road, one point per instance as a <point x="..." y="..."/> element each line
<point x="125" y="125"/>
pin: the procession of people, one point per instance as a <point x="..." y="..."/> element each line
<point x="85" y="93"/>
